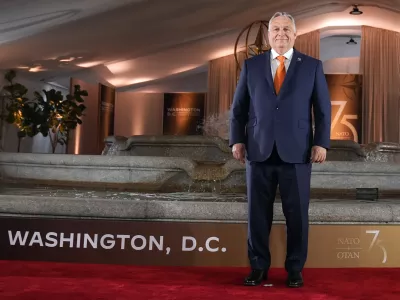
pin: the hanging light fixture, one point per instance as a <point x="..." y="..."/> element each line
<point x="355" y="11"/>
<point x="351" y="42"/>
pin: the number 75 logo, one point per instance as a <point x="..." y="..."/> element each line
<point x="376" y="242"/>
<point x="344" y="119"/>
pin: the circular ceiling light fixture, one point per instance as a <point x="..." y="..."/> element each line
<point x="355" y="11"/>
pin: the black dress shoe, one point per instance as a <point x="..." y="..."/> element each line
<point x="255" y="277"/>
<point x="295" y="280"/>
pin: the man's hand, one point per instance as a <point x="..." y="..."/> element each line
<point x="238" y="151"/>
<point x="318" y="154"/>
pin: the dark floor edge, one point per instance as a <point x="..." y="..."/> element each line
<point x="30" y="216"/>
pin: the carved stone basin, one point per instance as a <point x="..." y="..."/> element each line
<point x="215" y="149"/>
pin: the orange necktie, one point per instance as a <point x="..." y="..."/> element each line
<point x="280" y="74"/>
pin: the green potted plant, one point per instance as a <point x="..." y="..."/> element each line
<point x="20" y="111"/>
<point x="59" y="115"/>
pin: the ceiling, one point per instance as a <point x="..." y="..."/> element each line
<point x="126" y="43"/>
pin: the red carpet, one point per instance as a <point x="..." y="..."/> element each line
<point x="35" y="280"/>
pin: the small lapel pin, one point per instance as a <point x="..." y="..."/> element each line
<point x="299" y="59"/>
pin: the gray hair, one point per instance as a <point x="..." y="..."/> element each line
<point x="282" y="14"/>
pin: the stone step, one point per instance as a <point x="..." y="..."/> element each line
<point x="179" y="206"/>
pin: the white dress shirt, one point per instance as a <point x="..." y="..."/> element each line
<point x="275" y="62"/>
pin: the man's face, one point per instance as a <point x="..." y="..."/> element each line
<point x="281" y="35"/>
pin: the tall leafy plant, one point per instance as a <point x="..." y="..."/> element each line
<point x="60" y="115"/>
<point x="20" y="111"/>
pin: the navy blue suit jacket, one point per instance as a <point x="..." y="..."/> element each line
<point x="259" y="118"/>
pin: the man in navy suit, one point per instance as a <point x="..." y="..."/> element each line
<point x="271" y="129"/>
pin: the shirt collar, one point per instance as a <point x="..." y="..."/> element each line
<point x="288" y="54"/>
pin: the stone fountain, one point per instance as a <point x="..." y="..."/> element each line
<point x="207" y="165"/>
<point x="198" y="170"/>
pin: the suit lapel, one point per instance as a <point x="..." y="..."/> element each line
<point x="294" y="64"/>
<point x="268" y="72"/>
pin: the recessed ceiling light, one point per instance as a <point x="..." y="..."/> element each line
<point x="67" y="59"/>
<point x="37" y="68"/>
<point x="89" y="64"/>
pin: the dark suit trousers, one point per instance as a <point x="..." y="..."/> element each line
<point x="293" y="180"/>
